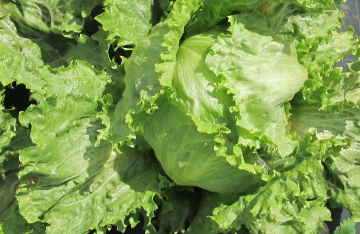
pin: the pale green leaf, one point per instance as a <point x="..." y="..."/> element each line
<point x="263" y="75"/>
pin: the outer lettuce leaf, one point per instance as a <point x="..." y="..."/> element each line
<point x="209" y="109"/>
<point x="213" y="12"/>
<point x="262" y="77"/>
<point x="64" y="175"/>
<point x="342" y="165"/>
<point x="13" y="137"/>
<point x="177" y="209"/>
<point x="96" y="52"/>
<point x="346" y="227"/>
<point x="19" y="59"/>
<point x="127" y="23"/>
<point x="314" y="5"/>
<point x="343" y="89"/>
<point x="202" y="222"/>
<point x="343" y="185"/>
<point x="11" y="221"/>
<point x="299" y="27"/>
<point x="187" y="209"/>
<point x="190" y="157"/>
<point x="8" y="186"/>
<point x="319" y="47"/>
<point x="59" y="16"/>
<point x="107" y="191"/>
<point x="306" y="117"/>
<point x="284" y="205"/>
<point x="8" y="132"/>
<point x="328" y="52"/>
<point x="52" y="46"/>
<point x="156" y="56"/>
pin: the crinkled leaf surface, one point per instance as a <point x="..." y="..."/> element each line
<point x="217" y="109"/>
<point x="342" y="175"/>
<point x="65" y="172"/>
<point x="190" y="157"/>
<point x="59" y="16"/>
<point x="96" y="52"/>
<point x="298" y="27"/>
<point x="341" y="166"/>
<point x="214" y="11"/>
<point x="281" y="205"/>
<point x="156" y="56"/>
<point x="346" y="227"/>
<point x="314" y="5"/>
<point x="196" y="110"/>
<point x="263" y="75"/>
<point x="19" y="58"/>
<point x="209" y="108"/>
<point x="127" y="22"/>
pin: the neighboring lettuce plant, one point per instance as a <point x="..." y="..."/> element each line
<point x="191" y="116"/>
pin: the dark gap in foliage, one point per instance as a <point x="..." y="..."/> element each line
<point x="17" y="97"/>
<point x="26" y="31"/>
<point x="297" y="99"/>
<point x="91" y="26"/>
<point x="138" y="229"/>
<point x="235" y="12"/>
<point x="52" y="46"/>
<point x="157" y="12"/>
<point x="190" y="198"/>
<point x="18" y="6"/>
<point x="45" y="15"/>
<point x="243" y="230"/>
<point x="182" y="39"/>
<point x="226" y="20"/>
<point x="113" y="230"/>
<point x="92" y="231"/>
<point x="116" y="53"/>
<point x="155" y="219"/>
<point x="335" y="216"/>
<point x="331" y="177"/>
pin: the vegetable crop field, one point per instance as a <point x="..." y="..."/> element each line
<point x="179" y="116"/>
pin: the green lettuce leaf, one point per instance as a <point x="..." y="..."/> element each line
<point x="190" y="157"/>
<point x="64" y="174"/>
<point x="346" y="227"/>
<point x="127" y="23"/>
<point x="19" y="59"/>
<point x="314" y="5"/>
<point x="262" y="77"/>
<point x="228" y="117"/>
<point x="156" y="56"/>
<point x="213" y="12"/>
<point x="59" y="16"/>
<point x="341" y="165"/>
<point x="342" y="174"/>
<point x="208" y="109"/>
<point x="285" y="205"/>
<point x="96" y="52"/>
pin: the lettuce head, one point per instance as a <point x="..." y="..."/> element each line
<point x="186" y="116"/>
